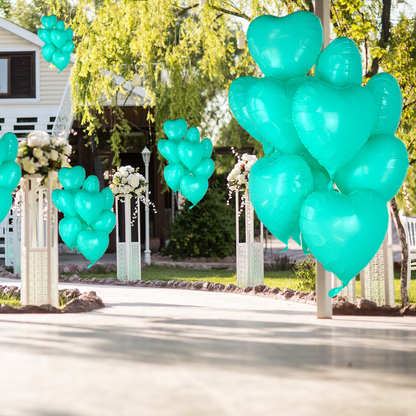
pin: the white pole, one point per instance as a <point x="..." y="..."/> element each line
<point x="147" y="251"/>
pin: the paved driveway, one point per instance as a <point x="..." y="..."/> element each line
<point x="161" y="352"/>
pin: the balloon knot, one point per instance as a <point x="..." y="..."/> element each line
<point x="90" y="265"/>
<point x="192" y="206"/>
<point x="333" y="292"/>
<point x="282" y="251"/>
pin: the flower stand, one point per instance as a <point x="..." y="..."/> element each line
<point x="39" y="246"/>
<point x="128" y="246"/>
<point x="377" y="279"/>
<point x="250" y="263"/>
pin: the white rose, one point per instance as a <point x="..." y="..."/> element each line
<point x="20" y="153"/>
<point x="53" y="174"/>
<point x="60" y="141"/>
<point x="123" y="171"/>
<point x="45" y="141"/>
<point x="43" y="161"/>
<point x="246" y="157"/>
<point x="54" y="155"/>
<point x="134" y="181"/>
<point x="28" y="165"/>
<point x="68" y="149"/>
<point x="33" y="141"/>
<point x="241" y="179"/>
<point x="37" y="153"/>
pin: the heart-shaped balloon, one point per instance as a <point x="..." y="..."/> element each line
<point x="4" y="145"/>
<point x="12" y="146"/>
<point x="204" y="168"/>
<point x="92" y="244"/>
<point x="58" y="38"/>
<point x="5" y="202"/>
<point x="48" y="51"/>
<point x="68" y="46"/>
<point x="238" y="98"/>
<point x="193" y="135"/>
<point x="344" y="232"/>
<point x="380" y="165"/>
<point x="321" y="180"/>
<point x="69" y="33"/>
<point x="104" y="222"/>
<point x="312" y="162"/>
<point x="278" y="188"/>
<point x="173" y="174"/>
<point x="69" y="228"/>
<point x="339" y="64"/>
<point x="63" y="199"/>
<point x="190" y="153"/>
<point x="207" y="147"/>
<point x="270" y="108"/>
<point x="194" y="188"/>
<point x="108" y="198"/>
<point x="285" y="47"/>
<point x="60" y="25"/>
<point x="169" y="150"/>
<point x="333" y="123"/>
<point x="88" y="205"/>
<point x="91" y="184"/>
<point x="45" y="35"/>
<point x="48" y="22"/>
<point x="72" y="178"/>
<point x="10" y="174"/>
<point x="61" y="60"/>
<point x="175" y="129"/>
<point x="389" y="99"/>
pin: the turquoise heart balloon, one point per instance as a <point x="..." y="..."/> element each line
<point x="92" y="244"/>
<point x="48" y="51"/>
<point x="45" y="36"/>
<point x="173" y="174"/>
<point x="4" y="145"/>
<point x="58" y="38"/>
<point x="321" y="180"/>
<point x="278" y="188"/>
<point x="68" y="46"/>
<point x="237" y="99"/>
<point x="10" y="174"/>
<point x="60" y="25"/>
<point x="169" y="150"/>
<point x="339" y="64"/>
<point x="194" y="188"/>
<point x="48" y="22"/>
<point x="285" y="47"/>
<point x="193" y="135"/>
<point x="5" y="202"/>
<point x="88" y="205"/>
<point x="333" y="123"/>
<point x="64" y="200"/>
<point x="61" y="60"/>
<point x="389" y="102"/>
<point x="344" y="232"/>
<point x="69" y="33"/>
<point x="91" y="184"/>
<point x="312" y="162"/>
<point x="12" y="146"/>
<point x="204" y="168"/>
<point x="108" y="198"/>
<point x="269" y="105"/>
<point x="207" y="143"/>
<point x="72" y="178"/>
<point x="175" y="129"/>
<point x="190" y="153"/>
<point x="380" y="165"/>
<point x="69" y="228"/>
<point x="104" y="222"/>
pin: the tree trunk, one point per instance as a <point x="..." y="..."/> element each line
<point x="405" y="253"/>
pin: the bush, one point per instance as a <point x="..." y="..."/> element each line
<point x="280" y="262"/>
<point x="207" y="230"/>
<point x="305" y="271"/>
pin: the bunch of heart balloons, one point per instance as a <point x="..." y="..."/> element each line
<point x="58" y="42"/>
<point x="88" y="215"/>
<point x="332" y="161"/>
<point x="10" y="172"/>
<point x="190" y="164"/>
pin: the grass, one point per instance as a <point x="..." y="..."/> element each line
<point x="281" y="279"/>
<point x="9" y="301"/>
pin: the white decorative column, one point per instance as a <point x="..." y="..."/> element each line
<point x="146" y="153"/>
<point x="128" y="251"/>
<point x="249" y="255"/>
<point x="377" y="279"/>
<point x="39" y="249"/>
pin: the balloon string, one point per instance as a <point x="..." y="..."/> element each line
<point x="333" y="292"/>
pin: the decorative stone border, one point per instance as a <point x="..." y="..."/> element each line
<point x="75" y="302"/>
<point x="341" y="306"/>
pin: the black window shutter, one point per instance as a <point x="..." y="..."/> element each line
<point x="22" y="76"/>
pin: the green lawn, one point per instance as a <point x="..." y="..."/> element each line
<point x="282" y="279"/>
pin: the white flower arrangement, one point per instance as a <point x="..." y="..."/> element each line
<point x="237" y="180"/>
<point x="43" y="154"/>
<point x="127" y="180"/>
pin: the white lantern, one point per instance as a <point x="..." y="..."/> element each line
<point x="241" y="42"/>
<point x="39" y="243"/>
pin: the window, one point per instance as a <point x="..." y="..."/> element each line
<point x="17" y="75"/>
